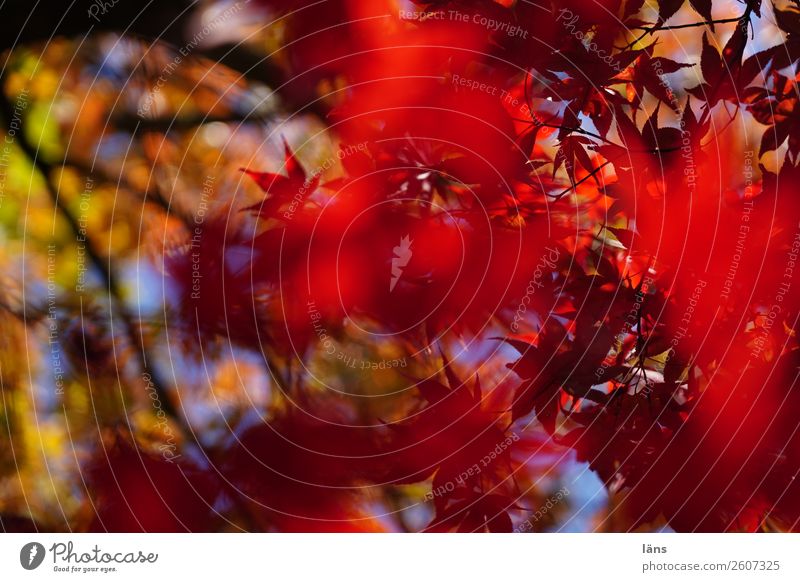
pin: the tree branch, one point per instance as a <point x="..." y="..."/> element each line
<point x="653" y="29"/>
<point x="100" y="264"/>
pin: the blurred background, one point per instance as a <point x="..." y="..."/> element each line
<point x="125" y="129"/>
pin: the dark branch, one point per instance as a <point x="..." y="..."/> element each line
<point x="99" y="263"/>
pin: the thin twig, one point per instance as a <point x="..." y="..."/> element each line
<point x="581" y="181"/>
<point x="652" y="29"/>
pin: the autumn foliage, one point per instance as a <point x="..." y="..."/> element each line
<point x="518" y="237"/>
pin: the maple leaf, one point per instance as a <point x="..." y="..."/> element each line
<point x="725" y="75"/>
<point x="778" y="107"/>
<point x="668" y="8"/>
<point x="294" y="188"/>
<point x="542" y="367"/>
<point x="571" y="154"/>
<point x="646" y="73"/>
<point x="458" y="440"/>
<point x="632" y="7"/>
<point x="755" y="6"/>
<point x="301" y="474"/>
<point x="454" y="415"/>
<point x="782" y="55"/>
<point x="475" y="513"/>
<point x="135" y="490"/>
<point x="703" y="8"/>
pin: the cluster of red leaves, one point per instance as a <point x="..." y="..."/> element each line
<point x="660" y="345"/>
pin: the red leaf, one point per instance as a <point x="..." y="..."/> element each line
<point x="773" y="138"/>
<point x="632" y="7"/>
<point x="755" y="6"/>
<point x="668" y="8"/>
<point x="282" y="189"/>
<point x="622" y="235"/>
<point x="710" y="62"/>
<point x="432" y="391"/>
<point x="703" y="8"/>
<point x="265" y="180"/>
<point x="788" y="20"/>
